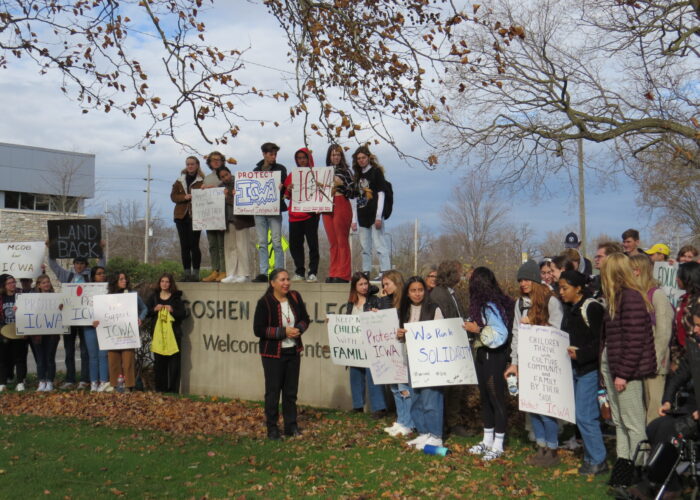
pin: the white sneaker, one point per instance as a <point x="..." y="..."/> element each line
<point x="312" y="278"/>
<point x="109" y="388"/>
<point x="296" y="277"/>
<point x="479" y="449"/>
<point x="19" y="387"/>
<point x="418" y="442"/>
<point x="83" y="385"/>
<point x="2" y="388"/>
<point x="433" y="441"/>
<point x="42" y="386"/>
<point x="401" y="430"/>
<point x="94" y="386"/>
<point x="103" y="386"/>
<point x="229" y="279"/>
<point x="391" y="429"/>
<point x="67" y="386"/>
<point x="240" y="279"/>
<point x="49" y="387"/>
<point x="492" y="454"/>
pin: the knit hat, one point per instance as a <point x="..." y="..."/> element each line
<point x="530" y="271"/>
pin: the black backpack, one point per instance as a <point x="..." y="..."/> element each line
<point x="388" y="200"/>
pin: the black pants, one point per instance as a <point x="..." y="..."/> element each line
<point x="189" y="244"/>
<point x="13" y="351"/>
<point x="167" y="372"/>
<point x="660" y="430"/>
<point x="69" y="347"/>
<point x="282" y="376"/>
<point x="297" y="232"/>
<point x="490" y="365"/>
<point x="45" y="357"/>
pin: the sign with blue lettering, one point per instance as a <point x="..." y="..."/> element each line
<point x="257" y="193"/>
<point x="346" y="342"/>
<point x="77" y="302"/>
<point x="39" y="314"/>
<point x="439" y="353"/>
<point x="118" y="318"/>
<point x="546" y="384"/>
<point x="22" y="259"/>
<point x="665" y="274"/>
<point x="387" y="356"/>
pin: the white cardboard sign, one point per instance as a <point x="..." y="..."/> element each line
<point x="312" y="189"/>
<point x="546" y="381"/>
<point x="77" y="302"/>
<point x="257" y="193"/>
<point x="346" y="342"/>
<point x="39" y="314"/>
<point x="22" y="259"/>
<point x="665" y="274"/>
<point x="119" y="321"/>
<point x="208" y="209"/>
<point x="439" y="353"/>
<point x="387" y="356"/>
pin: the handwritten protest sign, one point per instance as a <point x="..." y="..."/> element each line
<point x="665" y="274"/>
<point x="39" y="314"/>
<point x="208" y="209"/>
<point x="386" y="355"/>
<point x="77" y="302"/>
<point x="312" y="189"/>
<point x="546" y="380"/>
<point x="439" y="353"/>
<point x="257" y="193"/>
<point x="346" y="341"/>
<point x="23" y="259"/>
<point x="119" y="321"/>
<point x="71" y="238"/>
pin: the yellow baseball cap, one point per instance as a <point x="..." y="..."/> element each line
<point x="659" y="248"/>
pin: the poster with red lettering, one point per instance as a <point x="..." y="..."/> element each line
<point x="387" y="355"/>
<point x="312" y="189"/>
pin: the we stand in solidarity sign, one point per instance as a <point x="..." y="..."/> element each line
<point x="257" y="193"/>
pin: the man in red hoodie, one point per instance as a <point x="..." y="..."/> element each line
<point x="302" y="225"/>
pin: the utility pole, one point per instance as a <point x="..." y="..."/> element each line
<point x="415" y="248"/>
<point x="581" y="199"/>
<point x="148" y="214"/>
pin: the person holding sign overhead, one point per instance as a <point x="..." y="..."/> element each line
<point x="536" y="306"/>
<point x="491" y="311"/>
<point x="427" y="408"/>
<point x="190" y="178"/>
<point x="44" y="346"/>
<point x="279" y="321"/>
<point x="215" y="161"/>
<point x="13" y="349"/>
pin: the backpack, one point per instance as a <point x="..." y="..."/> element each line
<point x="388" y="200"/>
<point x="584" y="309"/>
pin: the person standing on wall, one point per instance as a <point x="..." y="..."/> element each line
<point x="372" y="209"/>
<point x="215" y="161"/>
<point x="337" y="223"/>
<point x="279" y="321"/>
<point x="190" y="178"/>
<point x="237" y="235"/>
<point x="272" y="223"/>
<point x="302" y="226"/>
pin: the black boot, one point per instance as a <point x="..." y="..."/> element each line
<point x="273" y="433"/>
<point x="622" y="473"/>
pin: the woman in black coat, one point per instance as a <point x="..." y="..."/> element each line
<point x="280" y="319"/>
<point x="167" y="368"/>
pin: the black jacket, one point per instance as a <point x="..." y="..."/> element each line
<point x="179" y="313"/>
<point x="688" y="371"/>
<point x="441" y="296"/>
<point x="583" y="336"/>
<point x="267" y="323"/>
<point x="373" y="302"/>
<point x="277" y="167"/>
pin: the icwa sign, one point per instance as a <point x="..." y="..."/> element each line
<point x="312" y="191"/>
<point x="257" y="193"/>
<point x="22" y="259"/>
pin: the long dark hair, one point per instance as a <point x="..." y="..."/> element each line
<point x="113" y="284"/>
<point x="405" y="305"/>
<point x="173" y="287"/>
<point x="484" y="288"/>
<point x="93" y="272"/>
<point x="689" y="276"/>
<point x="339" y="149"/>
<point x="353" y="297"/>
<point x="373" y="162"/>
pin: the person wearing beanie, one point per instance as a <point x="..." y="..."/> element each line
<point x="537" y="305"/>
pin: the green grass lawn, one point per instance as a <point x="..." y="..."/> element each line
<point x="340" y="455"/>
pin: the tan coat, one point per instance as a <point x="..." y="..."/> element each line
<point x="183" y="207"/>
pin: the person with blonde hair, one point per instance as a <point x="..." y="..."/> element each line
<point x="662" y="325"/>
<point x="190" y="178"/>
<point x="628" y="357"/>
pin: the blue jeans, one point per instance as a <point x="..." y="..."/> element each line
<point x="587" y="414"/>
<point x="403" y="404"/>
<point x="357" y="389"/>
<point x="546" y="430"/>
<point x="99" y="370"/>
<point x="45" y="357"/>
<point x="273" y="223"/>
<point x="427" y="410"/>
<point x="373" y="237"/>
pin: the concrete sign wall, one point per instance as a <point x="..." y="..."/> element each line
<point x="220" y="352"/>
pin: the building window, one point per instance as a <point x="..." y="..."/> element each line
<point x="30" y="201"/>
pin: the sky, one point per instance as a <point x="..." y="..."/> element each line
<point x="36" y="113"/>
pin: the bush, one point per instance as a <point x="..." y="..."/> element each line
<point x="138" y="272"/>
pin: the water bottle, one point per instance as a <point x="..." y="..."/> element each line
<point x="512" y="381"/>
<point x="603" y="398"/>
<point x="120" y="383"/>
<point x="431" y="449"/>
